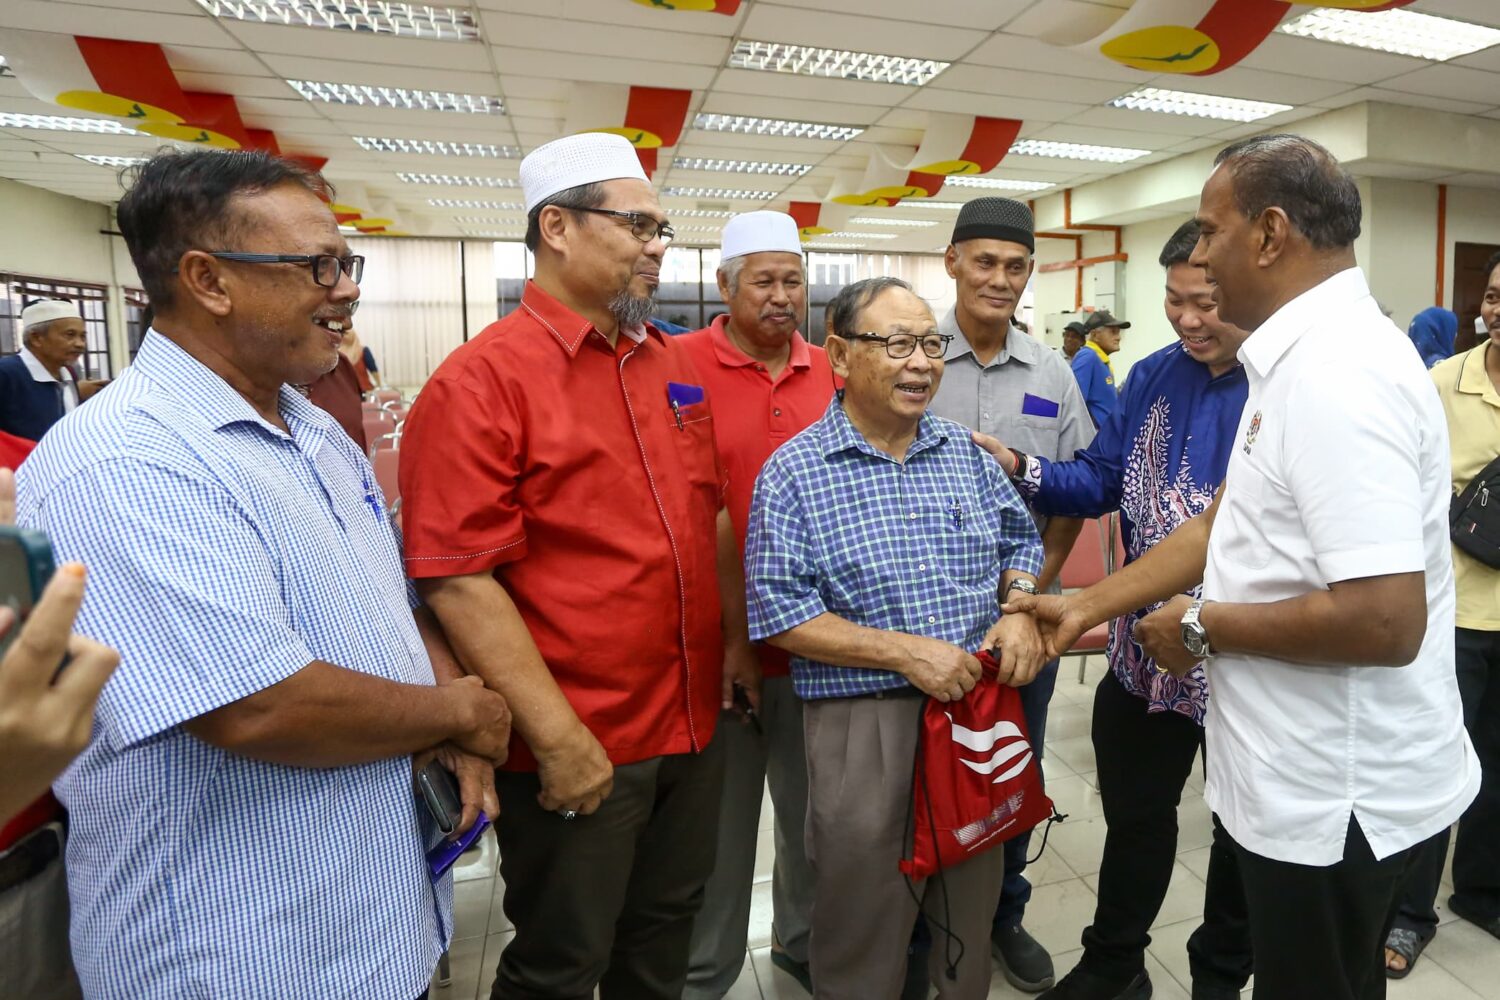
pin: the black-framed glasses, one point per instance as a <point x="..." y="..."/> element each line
<point x="325" y="266"/>
<point x="903" y="345"/>
<point x="642" y="227"/>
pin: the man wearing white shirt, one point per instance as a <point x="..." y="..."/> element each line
<point x="1327" y="621"/>
<point x="39" y="383"/>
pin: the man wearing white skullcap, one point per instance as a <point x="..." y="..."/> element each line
<point x="564" y="517"/>
<point x="37" y="385"/>
<point x="768" y="384"/>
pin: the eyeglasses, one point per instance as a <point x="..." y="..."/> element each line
<point x="325" y="266"/>
<point x="642" y="227"/>
<point x="903" y="345"/>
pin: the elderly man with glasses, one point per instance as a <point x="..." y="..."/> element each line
<point x="242" y="821"/>
<point x="880" y="541"/>
<point x="565" y="517"/>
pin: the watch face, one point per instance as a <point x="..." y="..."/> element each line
<point x="1194" y="640"/>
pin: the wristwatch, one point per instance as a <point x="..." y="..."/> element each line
<point x="1024" y="586"/>
<point x="1194" y="635"/>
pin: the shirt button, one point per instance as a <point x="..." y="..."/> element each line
<point x="760" y="368"/>
<point x="922" y="566"/>
<point x="985" y="416"/>
<point x="931" y="618"/>
<point x="913" y="515"/>
<point x="776" y="412"/>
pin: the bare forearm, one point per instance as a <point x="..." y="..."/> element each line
<point x="731" y="583"/>
<point x="492" y="642"/>
<point x="831" y="639"/>
<point x="1172" y="567"/>
<point x="445" y="665"/>
<point x="1376" y="622"/>
<point x="1057" y="543"/>
<point x="327" y="716"/>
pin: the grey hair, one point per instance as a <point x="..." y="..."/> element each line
<point x="1301" y="178"/>
<point x="732" y="267"/>
<point x="589" y="195"/>
<point x="852" y="300"/>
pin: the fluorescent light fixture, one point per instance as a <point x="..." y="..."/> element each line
<point x="738" y="194"/>
<point x="869" y="220"/>
<point x="488" y="220"/>
<point x="698" y="213"/>
<point x="64" y="123"/>
<point x="699" y="229"/>
<point x="946" y="206"/>
<point x="397" y="97"/>
<point x="1181" y="102"/>
<point x="498" y="234"/>
<point x="862" y="236"/>
<point x="832" y="246"/>
<point x="450" y="180"/>
<point x="370" y="17"/>
<point x="1077" y="151"/>
<point x="1404" y="32"/>
<point x="435" y="147"/>
<point x="499" y="206"/>
<point x="742" y="166"/>
<point x="111" y="161"/>
<point x="992" y="183"/>
<point x="808" y="60"/>
<point x="775" y="126"/>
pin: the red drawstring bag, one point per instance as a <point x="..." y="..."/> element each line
<point x="975" y="784"/>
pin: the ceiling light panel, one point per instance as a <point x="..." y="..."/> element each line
<point x="841" y="64"/>
<point x="698" y="213"/>
<point x="499" y="206"/>
<point x="450" y="180"/>
<point x="1404" y="32"/>
<point x="862" y="236"/>
<point x="1077" y="151"/>
<point x="833" y="246"/>
<point x="494" y="234"/>
<point x="946" y="206"/>
<point x="363" y="16"/>
<point x="991" y="183"/>
<point x="742" y="166"/>
<point x="435" y="147"/>
<point x="911" y="223"/>
<point x="736" y="194"/>
<point x="1181" y="102"/>
<point x="487" y="220"/>
<point x="111" y="161"/>
<point x="775" y="126"/>
<point x="63" y="123"/>
<point x="363" y="95"/>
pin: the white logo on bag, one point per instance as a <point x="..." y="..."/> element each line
<point x="1004" y="738"/>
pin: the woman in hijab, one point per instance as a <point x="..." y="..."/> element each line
<point x="1432" y="331"/>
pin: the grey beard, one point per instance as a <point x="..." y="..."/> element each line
<point x="631" y="311"/>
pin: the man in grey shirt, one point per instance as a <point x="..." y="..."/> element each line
<point x="1000" y="380"/>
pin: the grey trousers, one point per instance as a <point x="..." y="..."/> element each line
<point x="776" y="757"/>
<point x="34" y="959"/>
<point x="860" y="753"/>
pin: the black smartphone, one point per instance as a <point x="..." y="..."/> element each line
<point x="26" y="565"/>
<point x="742" y="704"/>
<point x="440" y="792"/>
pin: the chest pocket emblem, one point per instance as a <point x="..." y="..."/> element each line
<point x="1252" y="432"/>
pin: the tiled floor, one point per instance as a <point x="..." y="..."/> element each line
<point x="1462" y="963"/>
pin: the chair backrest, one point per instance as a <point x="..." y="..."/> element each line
<point x="378" y="424"/>
<point x="1085" y="564"/>
<point x="384" y="442"/>
<point x="384" y="396"/>
<point x="387" y="463"/>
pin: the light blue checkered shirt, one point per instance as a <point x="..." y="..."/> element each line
<point x="224" y="556"/>
<point x="918" y="546"/>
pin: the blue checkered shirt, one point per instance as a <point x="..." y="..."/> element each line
<point x="225" y="555"/>
<point x="917" y="546"/>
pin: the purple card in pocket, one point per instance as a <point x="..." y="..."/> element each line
<point x="1036" y="406"/>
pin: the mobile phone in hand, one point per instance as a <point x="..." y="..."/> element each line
<point x="26" y="564"/>
<point x="440" y="791"/>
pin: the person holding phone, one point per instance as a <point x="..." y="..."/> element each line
<point x="243" y="820"/>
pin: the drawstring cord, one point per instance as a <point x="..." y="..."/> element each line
<point x="919" y="774"/>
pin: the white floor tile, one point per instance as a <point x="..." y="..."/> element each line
<point x="1470" y="954"/>
<point x="1183" y="901"/>
<point x="747" y="987"/>
<point x="765" y="854"/>
<point x="1076" y="751"/>
<point x="1074" y="797"/>
<point x="1058" y="913"/>
<point x="774" y="984"/>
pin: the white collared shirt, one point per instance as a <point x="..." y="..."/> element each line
<point x="39" y="373"/>
<point x="1339" y="472"/>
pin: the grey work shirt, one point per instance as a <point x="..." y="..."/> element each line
<point x="1026" y="396"/>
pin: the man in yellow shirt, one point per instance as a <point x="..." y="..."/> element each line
<point x="1469" y="386"/>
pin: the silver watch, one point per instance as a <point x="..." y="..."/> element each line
<point x="1194" y="635"/>
<point x="1024" y="586"/>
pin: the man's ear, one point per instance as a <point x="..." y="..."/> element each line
<point x="200" y="277"/>
<point x="554" y="225"/>
<point x="838" y="355"/>
<point x="950" y="260"/>
<point x="1273" y="232"/>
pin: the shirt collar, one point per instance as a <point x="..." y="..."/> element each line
<point x="1101" y="352"/>
<point x="569" y="328"/>
<point x="1019" y="345"/>
<point x="39" y="372"/>
<point x="732" y="357"/>
<point x="1472" y="377"/>
<point x="1268" y="344"/>
<point x="215" y="400"/>
<point x="839" y="433"/>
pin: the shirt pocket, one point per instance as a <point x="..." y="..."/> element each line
<point x="696" y="449"/>
<point x="966" y="540"/>
<point x="1244" y="541"/>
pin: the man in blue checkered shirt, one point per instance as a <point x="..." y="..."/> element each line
<point x="242" y="821"/>
<point x="880" y="541"/>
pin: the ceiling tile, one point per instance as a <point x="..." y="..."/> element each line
<point x="799" y="25"/>
<point x="979" y="15"/>
<point x="603" y="69"/>
<point x="323" y="44"/>
<point x="1325" y="60"/>
<point x="231" y="62"/>
<point x="589" y="38"/>
<point x="1124" y="120"/>
<point x="1451" y="82"/>
<point x="193" y="27"/>
<point x="1002" y="82"/>
<point x="627" y="14"/>
<point x="267" y="87"/>
<point x="441" y="76"/>
<point x="1029" y="110"/>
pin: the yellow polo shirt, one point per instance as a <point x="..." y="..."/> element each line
<point x="1472" y="407"/>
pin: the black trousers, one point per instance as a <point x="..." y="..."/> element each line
<point x="1476" y="856"/>
<point x="1144" y="760"/>
<point x="1319" y="932"/>
<point x="608" y="900"/>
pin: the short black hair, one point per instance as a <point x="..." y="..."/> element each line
<point x="180" y="201"/>
<point x="1301" y="178"/>
<point x="1490" y="265"/>
<point x="589" y="195"/>
<point x="1180" y="246"/>
<point x="846" y="306"/>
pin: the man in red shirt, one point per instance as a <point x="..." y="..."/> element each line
<point x="565" y="520"/>
<point x="767" y="384"/>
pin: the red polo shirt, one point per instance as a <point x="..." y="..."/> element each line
<point x="755" y="417"/>
<point x="540" y="452"/>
